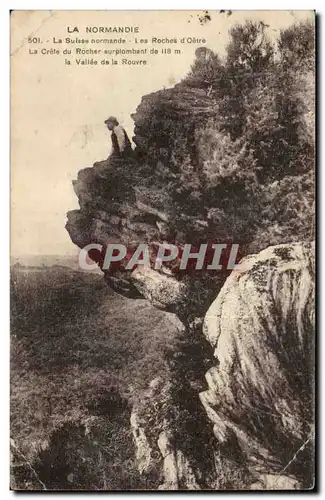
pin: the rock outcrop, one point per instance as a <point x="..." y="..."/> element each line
<point x="158" y="456"/>
<point x="137" y="200"/>
<point x="261" y="392"/>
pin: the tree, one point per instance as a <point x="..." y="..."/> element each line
<point x="206" y="68"/>
<point x="297" y="46"/>
<point x="249" y="49"/>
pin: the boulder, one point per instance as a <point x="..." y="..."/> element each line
<point x="261" y="389"/>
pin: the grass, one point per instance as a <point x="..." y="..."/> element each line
<point x="79" y="354"/>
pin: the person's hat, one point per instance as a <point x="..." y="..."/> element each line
<point x="111" y="119"/>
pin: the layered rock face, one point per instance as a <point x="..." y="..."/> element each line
<point x="172" y="110"/>
<point x="104" y="219"/>
<point x="135" y="201"/>
<point x="261" y="392"/>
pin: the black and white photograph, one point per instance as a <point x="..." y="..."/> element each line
<point x="162" y="261"/>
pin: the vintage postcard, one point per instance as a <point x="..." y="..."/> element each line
<point x="162" y="250"/>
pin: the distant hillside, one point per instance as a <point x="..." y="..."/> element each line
<point x="78" y="352"/>
<point x="41" y="261"/>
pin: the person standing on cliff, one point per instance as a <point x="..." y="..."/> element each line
<point x="121" y="145"/>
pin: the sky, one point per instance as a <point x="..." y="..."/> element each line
<point x="57" y="111"/>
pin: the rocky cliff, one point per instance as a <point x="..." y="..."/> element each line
<point x="259" y="397"/>
<point x="260" y="394"/>
<point x="191" y="181"/>
<point x="137" y="200"/>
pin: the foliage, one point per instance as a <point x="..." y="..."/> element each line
<point x="259" y="145"/>
<point x="249" y="49"/>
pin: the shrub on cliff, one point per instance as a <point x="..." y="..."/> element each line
<point x="259" y="146"/>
